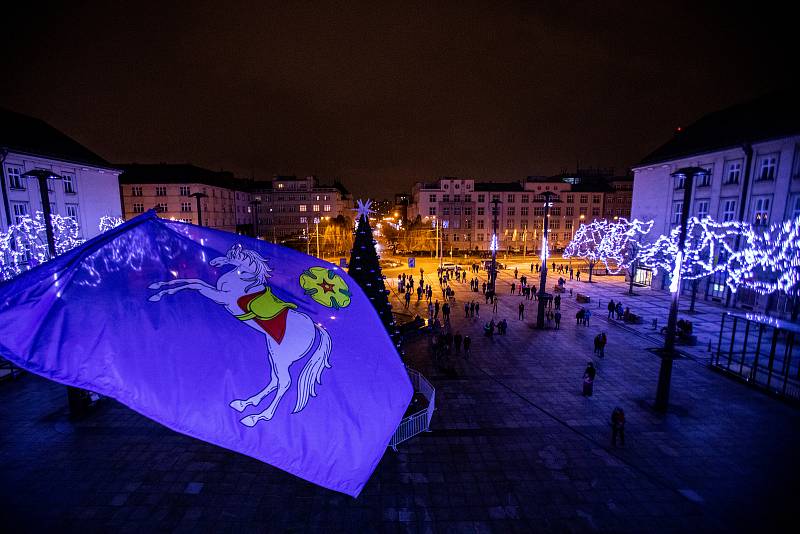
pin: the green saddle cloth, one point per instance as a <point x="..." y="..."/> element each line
<point x="264" y="306"/>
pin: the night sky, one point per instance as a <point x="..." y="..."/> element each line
<point x="381" y="96"/>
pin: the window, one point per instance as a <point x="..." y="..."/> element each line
<point x="761" y="211"/>
<point x="569" y="211"/>
<point x="733" y="171"/>
<point x="446" y="186"/>
<point x="445" y="198"/>
<point x="796" y="207"/>
<point x="15" y="180"/>
<point x="325" y="197"/>
<point x="728" y="210"/>
<point x="595" y="212"/>
<point x="524" y="210"/>
<point x="567" y="225"/>
<point x="538" y="212"/>
<point x="138" y="208"/>
<point x="467" y="198"/>
<point x="315" y="207"/>
<point x="705" y="179"/>
<point x="481" y="211"/>
<point x="511" y="210"/>
<point x="480" y="224"/>
<point x="20" y="210"/>
<point x="495" y="197"/>
<point x="570" y="199"/>
<point x="555" y="224"/>
<point x="467" y="210"/>
<point x="767" y="166"/>
<point x="445" y="211"/>
<point x="161" y="207"/>
<point x="583" y="210"/>
<point x="555" y="211"/>
<point x="184" y="190"/>
<point x="584" y="199"/>
<point x="456" y="198"/>
<point x="510" y="198"/>
<point x="69" y="183"/>
<point x="72" y="211"/>
<point x="456" y="210"/>
<point x="481" y="198"/>
<point x="469" y="223"/>
<point x="595" y="199"/>
<point x="326" y="207"/>
<point x="431" y="198"/>
<point x="567" y="236"/>
<point x="432" y="210"/>
<point x="679" y="181"/>
<point x="136" y="191"/>
<point x="702" y="209"/>
<point x="303" y="207"/>
<point x="161" y="191"/>
<point x="457" y="186"/>
<point x="480" y="237"/>
<point x="510" y="224"/>
<point x="186" y="206"/>
<point x="677" y="212"/>
<point x="525" y="199"/>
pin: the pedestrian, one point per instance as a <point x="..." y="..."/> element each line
<point x="436" y="310"/>
<point x="619" y="310"/>
<point x="549" y="316"/>
<point x="570" y="273"/>
<point x="408" y="299"/>
<point x="421" y="272"/>
<point x="586" y="317"/>
<point x="477" y="309"/>
<point x="457" y="342"/>
<point x="467" y="345"/>
<point x="483" y="288"/>
<point x="597" y="343"/>
<point x="531" y="267"/>
<point x="516" y="272"/>
<point x="558" y="302"/>
<point x="602" y="344"/>
<point x="554" y="266"/>
<point x="446" y="312"/>
<point x="494" y="304"/>
<point x="521" y="311"/>
<point x="557" y="317"/>
<point x="419" y="293"/>
<point x="579" y="316"/>
<point x="588" y="380"/>
<point x="618" y="426"/>
<point x="513" y="287"/>
<point x="466" y="309"/>
<point x="472" y="309"/>
<point x="611" y="308"/>
<point x="578" y="275"/>
<point x="533" y="292"/>
<point x="430" y="311"/>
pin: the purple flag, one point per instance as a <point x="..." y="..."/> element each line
<point x="253" y="347"/>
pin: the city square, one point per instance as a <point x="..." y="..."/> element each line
<point x="439" y="268"/>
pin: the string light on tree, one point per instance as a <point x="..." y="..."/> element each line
<point x="107" y="222"/>
<point x="24" y="245"/>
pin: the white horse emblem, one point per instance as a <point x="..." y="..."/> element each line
<point x="289" y="334"/>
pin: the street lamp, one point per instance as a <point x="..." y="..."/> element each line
<point x="42" y="176"/>
<point x="668" y="352"/>
<point x="548" y="203"/>
<point x="255" y="203"/>
<point x="198" y="196"/>
<point x="493" y="244"/>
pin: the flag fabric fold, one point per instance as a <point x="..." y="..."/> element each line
<point x="251" y="346"/>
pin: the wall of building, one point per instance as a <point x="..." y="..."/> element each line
<point x="95" y="191"/>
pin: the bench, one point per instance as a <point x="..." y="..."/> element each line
<point x="584" y="299"/>
<point x="559" y="289"/>
<point x="632" y="318"/>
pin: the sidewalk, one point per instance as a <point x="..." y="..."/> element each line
<point x="514" y="447"/>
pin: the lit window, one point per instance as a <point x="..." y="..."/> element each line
<point x="303" y="207"/>
<point x="326" y="207"/>
<point x="315" y="207"/>
<point x="761" y="211"/>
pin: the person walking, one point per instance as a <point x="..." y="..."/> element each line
<point x="578" y="275"/>
<point x="472" y="309"/>
<point x="436" y="310"/>
<point x="408" y="299"/>
<point x="533" y="292"/>
<point x="597" y="343"/>
<point x="570" y="273"/>
<point x="516" y="272"/>
<point x="611" y="308"/>
<point x="521" y="311"/>
<point x="483" y="288"/>
<point x="588" y="380"/>
<point x="430" y="311"/>
<point x="446" y="312"/>
<point x="586" y="317"/>
<point x="602" y="344"/>
<point x="513" y="287"/>
<point x="466" y="309"/>
<point x="494" y="304"/>
<point x="618" y="426"/>
<point x="579" y="316"/>
<point x="619" y="310"/>
<point x="478" y="310"/>
<point x="467" y="345"/>
<point x="457" y="342"/>
<point x="557" y="301"/>
<point x="557" y="318"/>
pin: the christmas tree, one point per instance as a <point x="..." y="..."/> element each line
<point x="366" y="270"/>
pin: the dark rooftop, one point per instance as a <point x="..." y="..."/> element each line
<point x="498" y="186"/>
<point x="21" y="133"/>
<point x="137" y="173"/>
<point x="768" y="117"/>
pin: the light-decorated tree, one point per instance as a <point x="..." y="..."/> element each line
<point x="614" y="244"/>
<point x="107" y="222"/>
<point x="708" y="249"/>
<point x="586" y="243"/>
<point x="366" y="271"/>
<point x="769" y="261"/>
<point x="24" y="245"/>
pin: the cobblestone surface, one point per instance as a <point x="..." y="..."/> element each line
<point x="513" y="447"/>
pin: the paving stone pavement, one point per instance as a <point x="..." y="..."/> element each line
<point x="513" y="447"/>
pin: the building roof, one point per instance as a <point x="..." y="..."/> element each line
<point x="769" y="117"/>
<point x="181" y="173"/>
<point x="22" y="133"/>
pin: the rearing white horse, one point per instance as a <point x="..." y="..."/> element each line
<point x="248" y="277"/>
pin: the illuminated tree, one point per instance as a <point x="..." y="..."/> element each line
<point x="24" y="245"/>
<point x="612" y="243"/>
<point x="107" y="222"/>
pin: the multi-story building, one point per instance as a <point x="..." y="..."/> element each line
<point x="463" y="208"/>
<point x="167" y="189"/>
<point x="752" y="154"/>
<point x="87" y="190"/>
<point x="288" y="206"/>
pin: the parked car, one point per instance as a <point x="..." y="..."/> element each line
<point x="487" y="264"/>
<point x="390" y="264"/>
<point x="448" y="266"/>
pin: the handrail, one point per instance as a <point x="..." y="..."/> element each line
<point x="418" y="422"/>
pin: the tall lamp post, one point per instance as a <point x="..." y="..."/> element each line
<point x="668" y="352"/>
<point x="77" y="399"/>
<point x="493" y="244"/>
<point x="255" y="204"/>
<point x="548" y="203"/>
<point x="316" y="224"/>
<point x="198" y="196"/>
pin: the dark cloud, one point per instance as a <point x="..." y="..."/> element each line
<point x="380" y="95"/>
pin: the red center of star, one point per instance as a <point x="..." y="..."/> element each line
<point x="326" y="287"/>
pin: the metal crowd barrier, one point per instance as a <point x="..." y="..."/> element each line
<point x="418" y="422"/>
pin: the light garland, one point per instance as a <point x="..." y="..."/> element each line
<point x="615" y="244"/>
<point x="107" y="222"/>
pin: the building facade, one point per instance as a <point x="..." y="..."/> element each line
<point x="88" y="188"/>
<point x="752" y="155"/>
<point x="463" y="209"/>
<point x="167" y="189"/>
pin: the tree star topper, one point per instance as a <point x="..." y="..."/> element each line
<point x="364" y="208"/>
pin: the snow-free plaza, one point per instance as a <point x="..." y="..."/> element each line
<point x="513" y="444"/>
